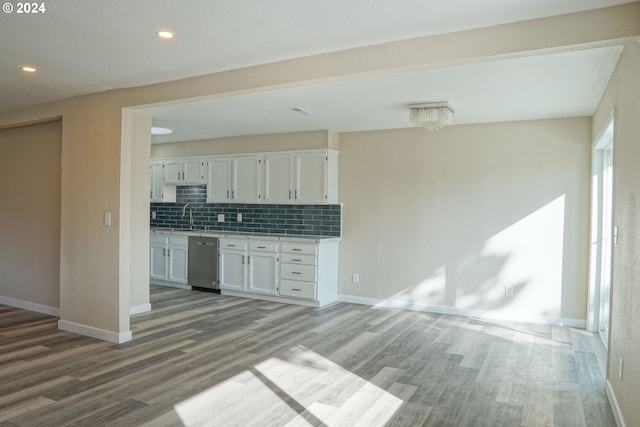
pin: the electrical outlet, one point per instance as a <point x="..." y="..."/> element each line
<point x="620" y="369"/>
<point x="220" y="217"/>
<point x="107" y="219"/>
<point x="356" y="278"/>
<point x="508" y="290"/>
<point x="154" y="215"/>
<point x="239" y="217"/>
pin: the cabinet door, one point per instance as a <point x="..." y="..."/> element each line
<point x="263" y="272"/>
<point x="232" y="270"/>
<point x="247" y="179"/>
<point x="219" y="180"/>
<point x="157" y="183"/>
<point x="173" y="171"/>
<point x="311" y="178"/>
<point x="158" y="261"/>
<point x="178" y="264"/>
<point x="278" y="178"/>
<point x="192" y="171"/>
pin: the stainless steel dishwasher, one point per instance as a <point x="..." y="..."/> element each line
<point x="203" y="263"/>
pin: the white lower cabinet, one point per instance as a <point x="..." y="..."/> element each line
<point x="249" y="266"/>
<point x="232" y="265"/>
<point x="305" y="273"/>
<point x="263" y="268"/>
<point x="168" y="258"/>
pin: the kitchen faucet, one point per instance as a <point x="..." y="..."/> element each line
<point x="184" y="210"/>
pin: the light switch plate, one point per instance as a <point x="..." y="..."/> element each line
<point x="107" y="219"/>
<point x="220" y="217"/>
<point x="239" y="217"/>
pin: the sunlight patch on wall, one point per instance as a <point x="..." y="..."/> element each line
<point x="528" y="258"/>
<point x="431" y="290"/>
<point x="301" y="388"/>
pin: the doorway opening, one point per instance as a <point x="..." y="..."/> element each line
<point x="602" y="233"/>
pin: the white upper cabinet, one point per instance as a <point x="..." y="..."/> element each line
<point x="157" y="183"/>
<point x="311" y="178"/>
<point x="234" y="179"/>
<point x="308" y="177"/>
<point x="246" y="185"/>
<point x="219" y="180"/>
<point x="173" y="171"/>
<point x="184" y="171"/>
<point x="193" y="171"/>
<point x="278" y="177"/>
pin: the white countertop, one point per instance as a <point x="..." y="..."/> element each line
<point x="249" y="236"/>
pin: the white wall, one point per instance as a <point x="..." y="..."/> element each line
<point x="449" y="218"/>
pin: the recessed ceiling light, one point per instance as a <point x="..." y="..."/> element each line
<point x="161" y="131"/>
<point x="28" y="69"/>
<point x="165" y="34"/>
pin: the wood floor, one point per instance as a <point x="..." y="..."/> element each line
<point x="202" y="359"/>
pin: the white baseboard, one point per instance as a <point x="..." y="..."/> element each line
<point x="31" y="306"/>
<point x="615" y="407"/>
<point x="138" y="309"/>
<point x="483" y="314"/>
<point x="90" y="331"/>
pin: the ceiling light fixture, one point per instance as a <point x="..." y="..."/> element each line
<point x="165" y="34"/>
<point x="161" y="131"/>
<point x="432" y="115"/>
<point x="28" y="69"/>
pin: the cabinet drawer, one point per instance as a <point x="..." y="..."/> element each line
<point x="161" y="239"/>
<point x="233" y="244"/>
<point x="263" y="246"/>
<point x="299" y="259"/>
<point x="292" y="288"/>
<point x="299" y="249"/>
<point x="306" y="273"/>
<point x="179" y="240"/>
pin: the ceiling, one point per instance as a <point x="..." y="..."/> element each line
<point x="83" y="47"/>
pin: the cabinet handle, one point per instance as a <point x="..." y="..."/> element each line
<point x="295" y="272"/>
<point x="297" y="249"/>
<point x="243" y="259"/>
<point x="296" y="289"/>
<point x="164" y="252"/>
<point x="262" y="247"/>
<point x="248" y="260"/>
<point x="227" y="194"/>
<point x="296" y="194"/>
<point x="233" y="194"/>
<point x="289" y="194"/>
<point x="231" y="246"/>
<point x="296" y="260"/>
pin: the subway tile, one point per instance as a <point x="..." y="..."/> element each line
<point x="257" y="218"/>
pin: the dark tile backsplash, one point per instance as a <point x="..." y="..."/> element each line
<point x="317" y="220"/>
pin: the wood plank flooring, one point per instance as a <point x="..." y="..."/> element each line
<point x="201" y="359"/>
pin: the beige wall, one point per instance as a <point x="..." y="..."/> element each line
<point x="623" y="95"/>
<point x="246" y="144"/>
<point x="449" y="218"/>
<point x="30" y="214"/>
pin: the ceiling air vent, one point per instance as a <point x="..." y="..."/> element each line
<point x="301" y="110"/>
